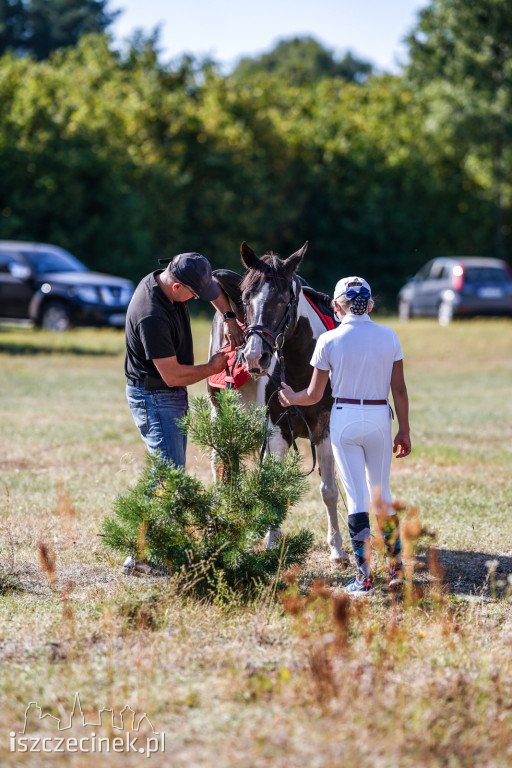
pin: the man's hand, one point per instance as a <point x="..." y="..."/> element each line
<point x="233" y="333"/>
<point x="403" y="441"/>
<point x="218" y="362"/>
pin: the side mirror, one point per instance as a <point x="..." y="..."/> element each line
<point x="21" y="271"/>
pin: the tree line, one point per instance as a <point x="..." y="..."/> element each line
<point x="123" y="159"/>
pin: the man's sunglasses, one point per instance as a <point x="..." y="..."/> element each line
<point x="194" y="294"/>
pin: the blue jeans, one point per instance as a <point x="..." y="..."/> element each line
<point x="156" y="415"/>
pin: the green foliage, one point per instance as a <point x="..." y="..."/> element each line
<point x="303" y="60"/>
<point x="236" y="434"/>
<point x="213" y="536"/>
<point x="12" y="15"/>
<point x="122" y="160"/>
<point x="39" y="27"/>
<point x="461" y="57"/>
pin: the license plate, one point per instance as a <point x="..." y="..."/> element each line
<point x="118" y="319"/>
<point x="490" y="293"/>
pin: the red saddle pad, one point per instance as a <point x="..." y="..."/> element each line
<point x="326" y="320"/>
<point x="237" y="378"/>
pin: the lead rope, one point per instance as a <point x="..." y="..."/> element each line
<point x="287" y="412"/>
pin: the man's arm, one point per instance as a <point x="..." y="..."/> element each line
<point x="401" y="401"/>
<point x="308" y="396"/>
<point x="232" y="330"/>
<point x="177" y="375"/>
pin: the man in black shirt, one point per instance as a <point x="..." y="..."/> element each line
<point x="159" y="359"/>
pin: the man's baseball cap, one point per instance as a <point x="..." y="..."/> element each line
<point x="195" y="272"/>
<point x="343" y="285"/>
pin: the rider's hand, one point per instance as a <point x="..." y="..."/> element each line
<point x="285" y="394"/>
<point x="233" y="333"/>
<point x="402" y="441"/>
<point x="218" y="362"/>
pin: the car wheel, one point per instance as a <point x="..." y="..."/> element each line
<point x="55" y="317"/>
<point x="445" y="313"/>
<point x="404" y="310"/>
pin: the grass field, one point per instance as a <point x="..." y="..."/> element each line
<point x="304" y="682"/>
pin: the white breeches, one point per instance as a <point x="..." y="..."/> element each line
<point x="362" y="447"/>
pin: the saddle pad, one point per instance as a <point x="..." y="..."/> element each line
<point x="237" y="378"/>
<point x="327" y="320"/>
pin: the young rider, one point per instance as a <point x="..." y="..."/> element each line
<point x="363" y="360"/>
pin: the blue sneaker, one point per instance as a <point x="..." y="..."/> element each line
<point x="396" y="576"/>
<point x="360" y="586"/>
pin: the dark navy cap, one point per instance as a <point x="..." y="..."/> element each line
<point x="195" y="272"/>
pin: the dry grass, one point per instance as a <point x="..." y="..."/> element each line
<point x="311" y="681"/>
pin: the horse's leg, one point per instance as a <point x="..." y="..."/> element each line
<point x="329" y="493"/>
<point x="276" y="445"/>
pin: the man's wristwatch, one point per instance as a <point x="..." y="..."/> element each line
<point x="229" y="315"/>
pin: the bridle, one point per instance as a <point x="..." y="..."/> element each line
<point x="274" y="339"/>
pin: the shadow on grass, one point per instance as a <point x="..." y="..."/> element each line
<point x="10" y="583"/>
<point x="25" y="339"/>
<point x="463" y="573"/>
<point x="23" y="348"/>
<point x="471" y="573"/>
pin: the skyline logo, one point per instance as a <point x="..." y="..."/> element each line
<point x="33" y="705"/>
<point x="126" y="721"/>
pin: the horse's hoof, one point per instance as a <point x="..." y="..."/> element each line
<point x="340" y="558"/>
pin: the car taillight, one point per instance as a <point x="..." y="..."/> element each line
<point x="458" y="277"/>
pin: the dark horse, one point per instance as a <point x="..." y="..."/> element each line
<point x="270" y="300"/>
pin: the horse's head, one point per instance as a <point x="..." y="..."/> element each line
<point x="269" y="293"/>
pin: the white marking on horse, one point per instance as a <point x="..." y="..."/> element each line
<point x="254" y="348"/>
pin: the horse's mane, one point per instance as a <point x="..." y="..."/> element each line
<point x="255" y="277"/>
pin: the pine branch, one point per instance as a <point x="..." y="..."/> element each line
<point x="214" y="533"/>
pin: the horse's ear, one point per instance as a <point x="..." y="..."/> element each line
<point x="291" y="264"/>
<point x="249" y="258"/>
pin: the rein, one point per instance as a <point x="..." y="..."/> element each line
<point x="288" y="413"/>
<point x="276" y="345"/>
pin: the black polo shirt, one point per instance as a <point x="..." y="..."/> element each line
<point x="155" y="327"/>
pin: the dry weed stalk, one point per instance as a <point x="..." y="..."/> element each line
<point x="387" y="532"/>
<point x="68" y="618"/>
<point x="341" y="616"/>
<point x="9" y="535"/>
<point x="322" y="621"/>
<point x="437" y="572"/>
<point x="66" y="511"/>
<point x="322" y="670"/>
<point x="339" y="634"/>
<point x="68" y="613"/>
<point x="47" y="561"/>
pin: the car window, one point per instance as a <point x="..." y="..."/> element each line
<point x="486" y="275"/>
<point x="58" y="261"/>
<point x="16" y="267"/>
<point x="438" y="271"/>
<point x="5" y="260"/>
<point x="424" y="271"/>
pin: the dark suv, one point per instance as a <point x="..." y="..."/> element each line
<point x="46" y="284"/>
<point x="458" y="286"/>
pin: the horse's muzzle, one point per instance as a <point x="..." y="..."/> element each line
<point x="257" y="365"/>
